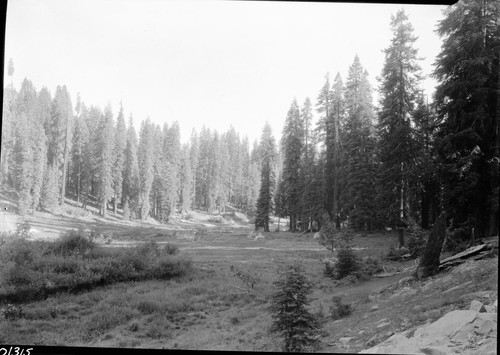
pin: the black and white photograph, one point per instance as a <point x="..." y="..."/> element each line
<point x="264" y="176"/>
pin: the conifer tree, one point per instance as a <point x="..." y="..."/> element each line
<point x="79" y="153"/>
<point x="95" y="117"/>
<point x="330" y="104"/>
<point x="426" y="164"/>
<point x="224" y="175"/>
<point x="358" y="163"/>
<point x="293" y="141"/>
<point x="44" y="109"/>
<point x="11" y="71"/>
<point x="267" y="179"/>
<point x="307" y="163"/>
<point x="39" y="142"/>
<point x="214" y="178"/>
<point x="23" y="155"/>
<point x="8" y="132"/>
<point x="193" y="158"/>
<point x="50" y="189"/>
<point x="119" y="158"/>
<point x="105" y="160"/>
<point x="29" y="148"/>
<point x="280" y="208"/>
<point x="131" y="171"/>
<point x="467" y="107"/>
<point x="146" y="167"/>
<point x="291" y="318"/>
<point x="203" y="167"/>
<point x="60" y="134"/>
<point x="399" y="88"/>
<point x="186" y="179"/>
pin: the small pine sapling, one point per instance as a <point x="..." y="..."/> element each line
<point x="292" y="321"/>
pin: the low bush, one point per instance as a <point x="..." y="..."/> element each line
<point x="347" y="262"/>
<point x="338" y="309"/>
<point x="12" y="312"/>
<point x="216" y="219"/>
<point x="168" y="267"/>
<point x="171" y="249"/>
<point x="368" y="267"/>
<point x="75" y="211"/>
<point x="417" y="240"/>
<point x="394" y="254"/>
<point x="35" y="269"/>
<point x="458" y="239"/>
<point x="73" y="243"/>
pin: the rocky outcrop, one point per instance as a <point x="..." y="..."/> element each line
<point x="461" y="331"/>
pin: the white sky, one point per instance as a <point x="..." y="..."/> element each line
<point x="212" y="63"/>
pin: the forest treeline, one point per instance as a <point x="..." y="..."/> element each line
<point x="367" y="165"/>
<point x="52" y="150"/>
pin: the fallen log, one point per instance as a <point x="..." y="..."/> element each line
<point x="466" y="253"/>
<point x="476" y="252"/>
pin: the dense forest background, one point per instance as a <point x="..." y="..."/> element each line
<point x="398" y="162"/>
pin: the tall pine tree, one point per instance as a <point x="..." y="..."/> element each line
<point x="467" y="108"/>
<point x="398" y="92"/>
<point x="267" y="179"/>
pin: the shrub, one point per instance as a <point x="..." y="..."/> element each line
<point x="368" y="267"/>
<point x="75" y="211"/>
<point x="134" y="327"/>
<point x="458" y="239"/>
<point x="171" y="249"/>
<point x="416" y="245"/>
<point x="34" y="269"/>
<point x="417" y="240"/>
<point x="11" y="312"/>
<point x="168" y="267"/>
<point x="216" y="219"/>
<point x="395" y="254"/>
<point x="292" y="320"/>
<point x="329" y="269"/>
<point x="148" y="307"/>
<point x="23" y="229"/>
<point x="149" y="250"/>
<point x="338" y="309"/>
<point x="73" y="243"/>
<point x="346" y="263"/>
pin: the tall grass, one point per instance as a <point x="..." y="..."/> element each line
<point x="34" y="269"/>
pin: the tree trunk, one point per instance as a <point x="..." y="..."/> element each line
<point x="114" y="204"/>
<point x="293" y="223"/>
<point x="429" y="263"/>
<point x="335" y="173"/>
<point x="425" y="209"/>
<point x="495" y="184"/>
<point x="78" y="187"/>
<point x="104" y="207"/>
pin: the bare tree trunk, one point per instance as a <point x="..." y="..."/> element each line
<point x="401" y="231"/>
<point x="429" y="262"/>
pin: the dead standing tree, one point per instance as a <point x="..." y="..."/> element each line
<point x="429" y="263"/>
